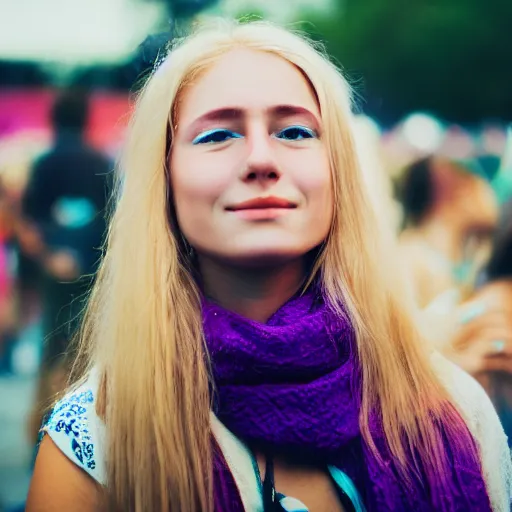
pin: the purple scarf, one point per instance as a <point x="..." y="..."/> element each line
<point x="291" y="386"/>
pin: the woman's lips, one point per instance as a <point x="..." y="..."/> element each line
<point x="263" y="203"/>
<point x="262" y="208"/>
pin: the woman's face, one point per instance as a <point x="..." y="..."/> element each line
<point x="249" y="169"/>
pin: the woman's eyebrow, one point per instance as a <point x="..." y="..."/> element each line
<point x="283" y="111"/>
<point x="237" y="113"/>
<point x="220" y="114"/>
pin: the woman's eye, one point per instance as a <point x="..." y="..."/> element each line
<point x="216" y="136"/>
<point x="296" y="133"/>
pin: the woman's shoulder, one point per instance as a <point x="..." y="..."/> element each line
<point x="483" y="422"/>
<point x="469" y="395"/>
<point x="77" y="430"/>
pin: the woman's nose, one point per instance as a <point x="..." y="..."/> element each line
<point x="261" y="164"/>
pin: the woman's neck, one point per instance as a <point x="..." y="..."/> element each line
<point x="254" y="293"/>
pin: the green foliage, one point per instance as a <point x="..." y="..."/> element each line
<point x="450" y="57"/>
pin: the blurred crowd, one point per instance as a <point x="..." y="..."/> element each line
<point x="457" y="246"/>
<point x="52" y="229"/>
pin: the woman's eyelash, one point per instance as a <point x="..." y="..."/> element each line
<point x="216" y="136"/>
<point x="220" y="135"/>
<point x="296" y="133"/>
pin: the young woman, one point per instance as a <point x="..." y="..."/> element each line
<point x="246" y="345"/>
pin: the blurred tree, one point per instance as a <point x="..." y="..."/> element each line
<point x="450" y="57"/>
<point x="187" y="8"/>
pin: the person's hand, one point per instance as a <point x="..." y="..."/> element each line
<point x="62" y="265"/>
<point x="482" y="341"/>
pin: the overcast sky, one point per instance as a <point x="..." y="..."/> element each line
<point x="86" y="31"/>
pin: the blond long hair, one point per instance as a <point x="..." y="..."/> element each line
<point x="142" y="328"/>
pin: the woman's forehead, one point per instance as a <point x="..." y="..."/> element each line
<point x="248" y="79"/>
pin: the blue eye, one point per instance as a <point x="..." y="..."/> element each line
<point x="216" y="136"/>
<point x="296" y="133"/>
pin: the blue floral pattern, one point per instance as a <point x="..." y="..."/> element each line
<point x="70" y="416"/>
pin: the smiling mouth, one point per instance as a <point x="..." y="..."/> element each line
<point x="263" y="203"/>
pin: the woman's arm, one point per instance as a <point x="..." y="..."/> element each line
<point x="59" y="484"/>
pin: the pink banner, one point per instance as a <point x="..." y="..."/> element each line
<point x="28" y="111"/>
